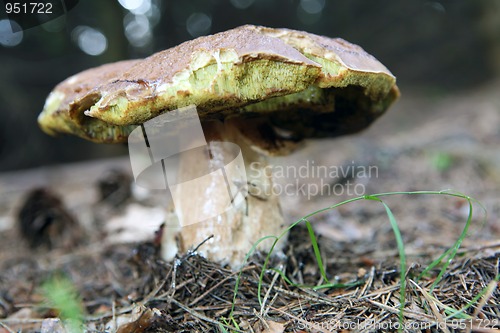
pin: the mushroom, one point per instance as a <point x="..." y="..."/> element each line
<point x="263" y="89"/>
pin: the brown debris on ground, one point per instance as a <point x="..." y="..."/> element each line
<point x="194" y="295"/>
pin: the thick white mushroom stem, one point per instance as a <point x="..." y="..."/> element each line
<point x="238" y="229"/>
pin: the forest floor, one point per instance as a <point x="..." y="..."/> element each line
<point x="423" y="144"/>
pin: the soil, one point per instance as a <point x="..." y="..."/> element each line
<point x="422" y="144"/>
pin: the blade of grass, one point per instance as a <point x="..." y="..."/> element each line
<point x="323" y="286"/>
<point x="450" y="254"/>
<point x="402" y="257"/>
<point x="222" y="328"/>
<point x="238" y="278"/>
<point x="317" y="253"/>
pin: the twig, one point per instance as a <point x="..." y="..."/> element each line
<point x="368" y="283"/>
<point x="6" y="327"/>
<point x="273" y="282"/>
<point x="432" y="304"/>
<point x="306" y="323"/>
<point x="203" y="317"/>
<point x="407" y="313"/>
<point x="197" y="299"/>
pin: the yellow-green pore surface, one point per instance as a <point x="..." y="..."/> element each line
<point x="311" y="86"/>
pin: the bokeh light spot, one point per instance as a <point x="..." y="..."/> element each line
<point x="131" y="4"/>
<point x="137" y="30"/>
<point x="90" y="40"/>
<point x="9" y="38"/>
<point x="143" y="8"/>
<point x="198" y="24"/>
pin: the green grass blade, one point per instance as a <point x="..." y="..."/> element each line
<point x="402" y="257"/>
<point x="454" y="249"/>
<point x="238" y="278"/>
<point x="222" y="328"/>
<point x="450" y="253"/>
<point x="317" y="253"/>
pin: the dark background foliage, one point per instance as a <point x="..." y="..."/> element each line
<point x="433" y="47"/>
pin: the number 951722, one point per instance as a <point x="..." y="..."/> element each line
<point x="28" y="7"/>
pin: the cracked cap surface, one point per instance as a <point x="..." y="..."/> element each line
<point x="304" y="85"/>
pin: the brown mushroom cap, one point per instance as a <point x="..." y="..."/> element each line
<point x="62" y="112"/>
<point x="303" y="84"/>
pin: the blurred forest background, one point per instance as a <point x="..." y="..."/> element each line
<point x="435" y="48"/>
